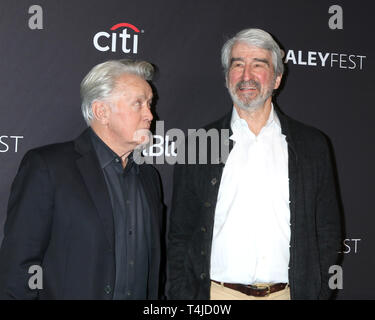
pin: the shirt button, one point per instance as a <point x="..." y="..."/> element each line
<point x="203" y="229"/>
<point x="207" y="204"/>
<point x="131" y="262"/>
<point x="107" y="289"/>
<point x="128" y="202"/>
<point x="129" y="293"/>
<point x="203" y="252"/>
<point x="117" y="160"/>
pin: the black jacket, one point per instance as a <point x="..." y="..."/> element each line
<point x="60" y="217"/>
<point x="315" y="217"/>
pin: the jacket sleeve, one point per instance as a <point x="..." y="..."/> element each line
<point x="162" y="223"/>
<point x="27" y="228"/>
<point x="328" y="220"/>
<point x="181" y="224"/>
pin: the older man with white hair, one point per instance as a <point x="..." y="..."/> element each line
<point x="266" y="223"/>
<point x="83" y="213"/>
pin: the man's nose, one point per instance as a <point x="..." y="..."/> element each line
<point x="148" y="115"/>
<point x="247" y="73"/>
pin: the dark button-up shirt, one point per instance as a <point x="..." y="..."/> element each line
<point x="131" y="217"/>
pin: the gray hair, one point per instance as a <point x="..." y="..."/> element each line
<point x="101" y="80"/>
<point x="257" y="38"/>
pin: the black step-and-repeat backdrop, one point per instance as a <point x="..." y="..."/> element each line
<point x="46" y="48"/>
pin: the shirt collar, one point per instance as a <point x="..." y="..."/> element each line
<point x="237" y="122"/>
<point x="106" y="155"/>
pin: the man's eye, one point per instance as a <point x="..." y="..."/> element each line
<point x="260" y="65"/>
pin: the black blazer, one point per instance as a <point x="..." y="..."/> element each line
<point x="314" y="207"/>
<point x="60" y="217"/>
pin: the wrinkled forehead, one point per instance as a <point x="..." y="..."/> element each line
<point x="242" y="50"/>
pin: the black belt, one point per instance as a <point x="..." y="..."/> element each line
<point x="256" y="291"/>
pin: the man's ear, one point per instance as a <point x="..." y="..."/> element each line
<point x="278" y="81"/>
<point x="226" y="80"/>
<point x="100" y="110"/>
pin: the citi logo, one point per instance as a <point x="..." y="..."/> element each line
<point x="104" y="41"/>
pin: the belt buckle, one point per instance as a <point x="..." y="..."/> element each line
<point x="264" y="286"/>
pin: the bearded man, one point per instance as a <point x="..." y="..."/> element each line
<point x="266" y="224"/>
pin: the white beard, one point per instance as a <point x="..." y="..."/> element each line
<point x="253" y="104"/>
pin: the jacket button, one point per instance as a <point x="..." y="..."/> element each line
<point x="213" y="181"/>
<point x="207" y="204"/>
<point x="203" y="276"/>
<point x="107" y="289"/>
<point x="203" y="229"/>
<point x="203" y="252"/>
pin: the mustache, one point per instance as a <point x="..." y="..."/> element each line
<point x="250" y="83"/>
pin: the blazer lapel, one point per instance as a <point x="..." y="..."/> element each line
<point x="153" y="237"/>
<point x="213" y="171"/>
<point x="225" y="143"/>
<point x="93" y="177"/>
<point x="292" y="161"/>
<point x="153" y="205"/>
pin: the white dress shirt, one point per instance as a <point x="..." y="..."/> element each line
<point x="252" y="218"/>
